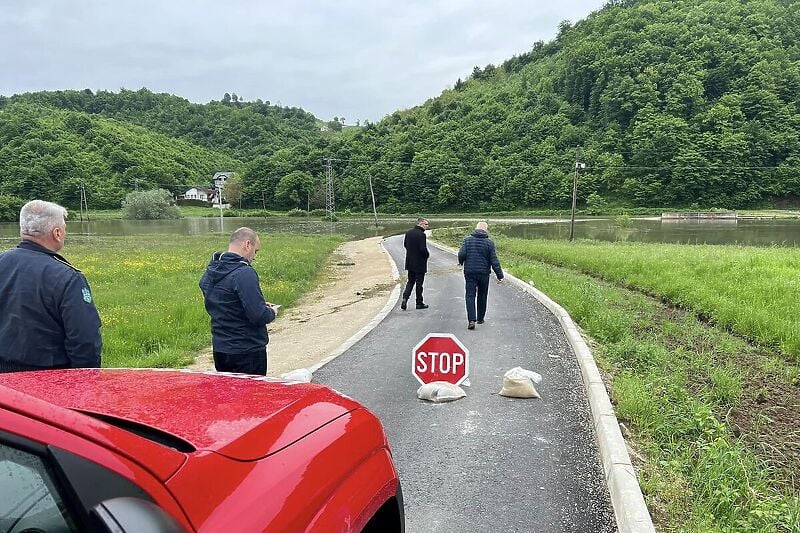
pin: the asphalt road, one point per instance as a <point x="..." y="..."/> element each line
<point x="485" y="462"/>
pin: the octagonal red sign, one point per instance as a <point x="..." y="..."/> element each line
<point x="440" y="357"/>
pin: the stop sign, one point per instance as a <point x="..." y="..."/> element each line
<point x="440" y="357"/>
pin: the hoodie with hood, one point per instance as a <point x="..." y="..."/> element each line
<point x="234" y="300"/>
<point x="478" y="255"/>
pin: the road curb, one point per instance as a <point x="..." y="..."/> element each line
<point x="372" y="324"/>
<point x="630" y="510"/>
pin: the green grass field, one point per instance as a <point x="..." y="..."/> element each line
<point x="147" y="294"/>
<point x="753" y="292"/>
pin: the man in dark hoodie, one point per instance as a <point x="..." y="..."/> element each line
<point x="479" y="258"/>
<point x="239" y="313"/>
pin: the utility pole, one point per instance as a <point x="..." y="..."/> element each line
<point x="372" y="192"/>
<point x="578" y="165"/>
<point x="80" y="196"/>
<point x="219" y="198"/>
<point x="84" y="203"/>
<point x="330" y="199"/>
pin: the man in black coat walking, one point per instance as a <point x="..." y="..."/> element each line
<point x="479" y="257"/>
<point x="417" y="255"/>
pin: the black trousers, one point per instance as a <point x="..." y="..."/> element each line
<point x="476" y="285"/>
<point x="243" y="363"/>
<point x="414" y="278"/>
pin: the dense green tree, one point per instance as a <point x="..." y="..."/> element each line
<point x="294" y="189"/>
<point x="149" y="205"/>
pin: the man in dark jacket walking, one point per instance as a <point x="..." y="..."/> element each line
<point x="479" y="257"/>
<point x="239" y="313"/>
<point x="47" y="313"/>
<point x="417" y="255"/>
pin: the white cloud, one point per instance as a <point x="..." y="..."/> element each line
<point x="359" y="59"/>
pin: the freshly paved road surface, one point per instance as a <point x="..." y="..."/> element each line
<point x="485" y="462"/>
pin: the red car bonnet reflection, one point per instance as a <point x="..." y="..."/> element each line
<point x="243" y="417"/>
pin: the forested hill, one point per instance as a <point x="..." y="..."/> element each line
<point x="244" y="129"/>
<point x="684" y="103"/>
<point x="675" y="103"/>
<point x="47" y="153"/>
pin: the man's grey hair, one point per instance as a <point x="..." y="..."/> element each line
<point x="482" y="225"/>
<point x="38" y="218"/>
<point x="243" y="234"/>
<point x="420" y="220"/>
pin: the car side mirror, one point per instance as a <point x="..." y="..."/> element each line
<point x="128" y="515"/>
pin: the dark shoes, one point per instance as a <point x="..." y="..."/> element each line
<point x="404" y="305"/>
<point x="480" y="321"/>
<point x="471" y="324"/>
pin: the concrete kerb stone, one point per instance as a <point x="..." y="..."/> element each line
<point x="630" y="508"/>
<point x="387" y="308"/>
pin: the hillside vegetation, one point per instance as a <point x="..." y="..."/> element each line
<point x="678" y="103"/>
<point x="47" y="153"/>
<point x="687" y="103"/>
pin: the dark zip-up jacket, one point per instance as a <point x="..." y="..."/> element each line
<point x="233" y="299"/>
<point x="478" y="255"/>
<point x="417" y="253"/>
<point x="47" y="313"/>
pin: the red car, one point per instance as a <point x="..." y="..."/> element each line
<point x="150" y="450"/>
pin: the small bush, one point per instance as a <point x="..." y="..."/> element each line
<point x="150" y="205"/>
<point x="296" y="212"/>
<point x="318" y="212"/>
<point x="596" y="204"/>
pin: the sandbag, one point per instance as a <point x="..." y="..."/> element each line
<point x="519" y="383"/>
<point x="440" y="391"/>
<point x="299" y="374"/>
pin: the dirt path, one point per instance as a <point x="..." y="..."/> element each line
<point x="359" y="282"/>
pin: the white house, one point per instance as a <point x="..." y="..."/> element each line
<point x="198" y="193"/>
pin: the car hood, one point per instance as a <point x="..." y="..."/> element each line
<point x="242" y="417"/>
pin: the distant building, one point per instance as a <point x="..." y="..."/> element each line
<point x="211" y="194"/>
<point x="220" y="177"/>
<point x="199" y="193"/>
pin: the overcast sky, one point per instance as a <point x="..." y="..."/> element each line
<point x="356" y="59"/>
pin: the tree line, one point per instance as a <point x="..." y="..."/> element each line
<point x="672" y="103"/>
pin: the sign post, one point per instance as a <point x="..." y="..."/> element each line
<point x="440" y="357"/>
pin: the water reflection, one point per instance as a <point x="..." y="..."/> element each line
<point x="781" y="232"/>
<point x="744" y="232"/>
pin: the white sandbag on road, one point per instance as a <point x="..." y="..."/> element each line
<point x="519" y="383"/>
<point x="440" y="391"/>
<point x="299" y="374"/>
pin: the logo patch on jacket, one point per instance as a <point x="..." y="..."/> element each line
<point x="87" y="296"/>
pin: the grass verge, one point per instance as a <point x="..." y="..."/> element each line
<point x="146" y="288"/>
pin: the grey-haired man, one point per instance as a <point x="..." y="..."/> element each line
<point x="47" y="313"/>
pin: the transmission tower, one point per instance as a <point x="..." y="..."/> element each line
<point x="330" y="198"/>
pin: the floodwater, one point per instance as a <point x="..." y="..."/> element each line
<point x="772" y="232"/>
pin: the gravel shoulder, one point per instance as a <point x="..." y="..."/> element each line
<point x="354" y="287"/>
